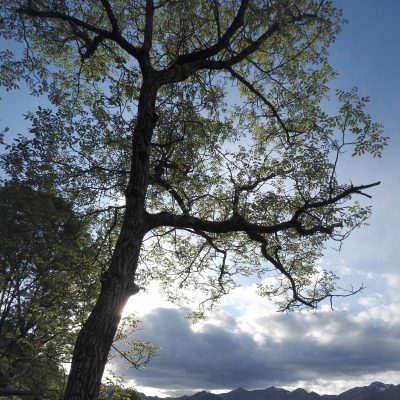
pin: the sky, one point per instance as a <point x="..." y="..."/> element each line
<point x="245" y="341"/>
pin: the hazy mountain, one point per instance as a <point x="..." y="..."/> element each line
<point x="375" y="391"/>
<point x="204" y="396"/>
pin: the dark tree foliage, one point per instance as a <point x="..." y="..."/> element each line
<point x="47" y="285"/>
<point x="192" y="133"/>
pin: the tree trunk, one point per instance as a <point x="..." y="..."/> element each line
<point x="96" y="336"/>
<point x="117" y="283"/>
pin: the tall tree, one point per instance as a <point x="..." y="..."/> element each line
<point x="47" y="287"/>
<point x="194" y="131"/>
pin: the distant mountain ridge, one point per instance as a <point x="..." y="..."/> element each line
<point x="375" y="391"/>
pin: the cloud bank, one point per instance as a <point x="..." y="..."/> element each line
<point x="257" y="350"/>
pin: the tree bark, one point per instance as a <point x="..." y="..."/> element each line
<point x="117" y="283"/>
<point x="96" y="336"/>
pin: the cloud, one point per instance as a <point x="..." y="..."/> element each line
<point x="283" y="350"/>
<point x="392" y="280"/>
<point x="146" y="301"/>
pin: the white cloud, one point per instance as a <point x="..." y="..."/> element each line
<point x="146" y="300"/>
<point x="327" y="352"/>
<point x="336" y="386"/>
<point x="393" y="280"/>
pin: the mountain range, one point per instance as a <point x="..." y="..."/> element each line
<point x="375" y="391"/>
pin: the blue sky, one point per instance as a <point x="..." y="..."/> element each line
<point x="245" y="342"/>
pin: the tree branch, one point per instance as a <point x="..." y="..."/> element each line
<point x="255" y="45"/>
<point x="297" y="297"/>
<point x="111" y="17"/>
<point x="262" y="97"/>
<point x="114" y="35"/>
<point x="221" y="44"/>
<point x="238" y="224"/>
<point x="187" y="64"/>
<point x="170" y="189"/>
<point x="252" y="185"/>
<point x="245" y="188"/>
<point x="331" y="200"/>
<point x="148" y="29"/>
<point x="31" y="12"/>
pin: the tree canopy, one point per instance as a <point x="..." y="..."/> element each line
<point x="48" y="284"/>
<point x="195" y="133"/>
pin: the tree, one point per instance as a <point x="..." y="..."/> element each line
<point x="194" y="132"/>
<point x="47" y="286"/>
